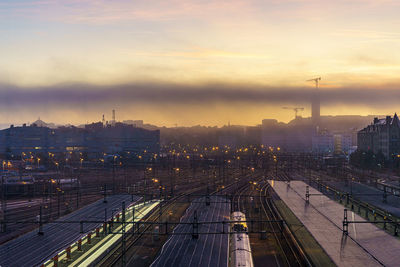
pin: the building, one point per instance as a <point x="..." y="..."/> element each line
<point x="346" y="143"/>
<point x="230" y="141"/>
<point x="273" y="133"/>
<point x="328" y="143"/>
<point x="316" y="108"/>
<point x="252" y="135"/>
<point x="299" y="137"/>
<point x="93" y="140"/>
<point x="136" y="123"/>
<point x="230" y="136"/>
<point x="382" y="136"/>
<point x="323" y="143"/>
<point x="293" y="137"/>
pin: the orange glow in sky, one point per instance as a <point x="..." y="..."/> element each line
<point x="270" y="43"/>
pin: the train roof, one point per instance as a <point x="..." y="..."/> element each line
<point x="238" y="213"/>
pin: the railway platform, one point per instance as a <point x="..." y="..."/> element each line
<point x="91" y="252"/>
<point x="365" y="244"/>
<point x="31" y="249"/>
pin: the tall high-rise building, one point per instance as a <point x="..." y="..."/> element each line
<point x="315" y="108"/>
<point x="315" y="103"/>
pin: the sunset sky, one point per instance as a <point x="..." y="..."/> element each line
<point x="196" y="62"/>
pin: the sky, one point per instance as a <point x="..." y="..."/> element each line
<point x="191" y="62"/>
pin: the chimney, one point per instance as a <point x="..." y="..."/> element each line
<point x="113" y="118"/>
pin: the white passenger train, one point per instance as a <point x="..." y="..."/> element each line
<point x="239" y="243"/>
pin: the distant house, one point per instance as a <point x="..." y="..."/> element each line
<point x="382" y="136"/>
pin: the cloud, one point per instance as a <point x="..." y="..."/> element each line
<point x="104" y="12"/>
<point x="178" y="94"/>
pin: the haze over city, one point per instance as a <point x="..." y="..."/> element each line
<point x="198" y="133"/>
<point x="196" y="62"/>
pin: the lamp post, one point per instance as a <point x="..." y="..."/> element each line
<point x="3" y="203"/>
<point x="113" y="175"/>
<point x="58" y="173"/>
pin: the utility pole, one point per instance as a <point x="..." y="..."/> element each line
<point x="51" y="198"/>
<point x="77" y="197"/>
<point x="40" y="221"/>
<point x="113" y="176"/>
<point x="105" y="193"/>
<point x="133" y="220"/>
<point x="123" y="236"/>
<point x="145" y="183"/>
<point x="58" y="204"/>
<point x="3" y="203"/>
<point x="195" y="227"/>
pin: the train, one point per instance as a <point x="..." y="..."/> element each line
<point x="239" y="242"/>
<point x="15" y="180"/>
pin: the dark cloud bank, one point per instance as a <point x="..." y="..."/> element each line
<point x="147" y="93"/>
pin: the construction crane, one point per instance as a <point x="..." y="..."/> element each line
<point x="295" y="109"/>
<point x="316" y="80"/>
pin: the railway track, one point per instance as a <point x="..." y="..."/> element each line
<point x="52" y="210"/>
<point x="287" y="247"/>
<point x="136" y="240"/>
<point x="237" y="200"/>
<point x="116" y="256"/>
<point x="291" y="252"/>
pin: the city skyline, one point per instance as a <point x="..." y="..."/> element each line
<point x="192" y="56"/>
<point x="199" y="133"/>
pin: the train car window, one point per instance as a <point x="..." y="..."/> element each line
<point x="239" y="228"/>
